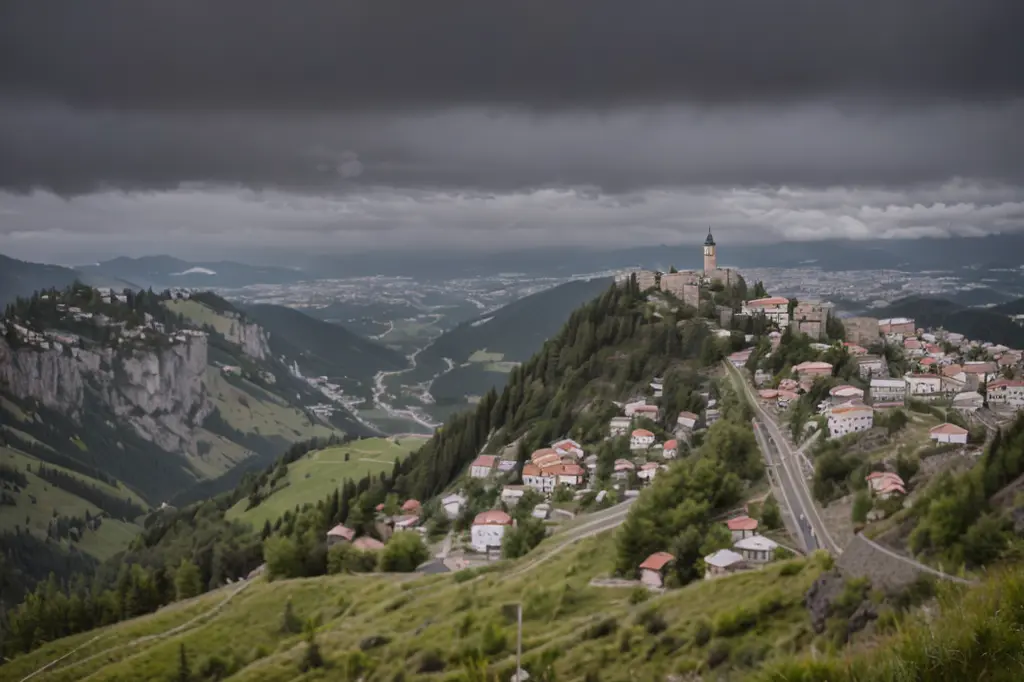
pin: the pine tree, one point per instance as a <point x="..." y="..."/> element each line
<point x="184" y="673"/>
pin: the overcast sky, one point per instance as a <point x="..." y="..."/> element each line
<point x="198" y="128"/>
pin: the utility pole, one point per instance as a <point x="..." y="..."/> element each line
<point x="519" y="638"/>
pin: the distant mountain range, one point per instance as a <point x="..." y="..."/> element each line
<point x="21" y="278"/>
<point x="162" y="272"/>
<point x="984" y="324"/>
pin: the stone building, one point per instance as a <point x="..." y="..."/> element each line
<point x="861" y="330"/>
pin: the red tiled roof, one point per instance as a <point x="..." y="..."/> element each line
<point x="492" y="517"/>
<point x="980" y="367"/>
<point x="892" y="486"/>
<point x="649" y="465"/>
<point x="642" y="433"/>
<point x="1008" y="383"/>
<point x="927" y="361"/>
<point x="657" y="561"/>
<point x="883" y="474"/>
<point x="411" y="506"/>
<point x="951" y="370"/>
<point x="530" y="469"/>
<point x="948" y="429"/>
<point x="624" y="464"/>
<point x="671" y="444"/>
<point x="742" y="523"/>
<point x="485" y="461"/>
<point x="771" y="300"/>
<point x="366" y="543"/>
<point x="341" y="531"/>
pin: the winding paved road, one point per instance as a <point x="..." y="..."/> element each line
<point x="791" y="479"/>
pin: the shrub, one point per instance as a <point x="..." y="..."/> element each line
<point x="734" y="622"/>
<point x="600" y="629"/>
<point x="748" y="654"/>
<point x="639" y="595"/>
<point x="791" y="568"/>
<point x="718" y="653"/>
<point x="430" y="661"/>
<point x="652" y="621"/>
<point x="403" y="553"/>
<point x="493" y="640"/>
<point x="702" y="632"/>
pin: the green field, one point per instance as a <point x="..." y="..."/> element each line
<point x="201" y="315"/>
<point x="318" y="474"/>
<point x="591" y="630"/>
<point x="35" y="516"/>
<point x="485" y="356"/>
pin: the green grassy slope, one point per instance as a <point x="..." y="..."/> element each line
<point x="441" y="619"/>
<point x="318" y="474"/>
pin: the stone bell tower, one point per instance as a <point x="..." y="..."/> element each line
<point x="710" y="260"/>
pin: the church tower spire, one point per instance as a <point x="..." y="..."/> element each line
<point x="710" y="257"/>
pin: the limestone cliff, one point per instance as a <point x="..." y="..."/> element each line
<point x="249" y="336"/>
<point x="160" y="392"/>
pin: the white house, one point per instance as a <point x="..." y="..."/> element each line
<point x="618" y="426"/>
<point x="652" y="570"/>
<point x="723" y="562"/>
<point x="539" y="479"/>
<point x="622" y="468"/>
<point x="453" y="505"/>
<point x="1008" y="392"/>
<point x="756" y="548"/>
<point x="849" y="418"/>
<point x="641" y="439"/>
<point x="488" y="530"/>
<point x="483" y="466"/>
<point x="888" y="392"/>
<point x="948" y="433"/>
<point x="511" y="494"/>
<point x="742" y="527"/>
<point x="648" y="471"/>
<point x="813" y="369"/>
<point x="671" y="449"/>
<point x="774" y="308"/>
<point x="844" y="394"/>
<point x="687" y="420"/>
<point x="923" y="385"/>
<point x="569" y="474"/>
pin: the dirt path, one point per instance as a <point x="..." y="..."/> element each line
<point x="187" y="625"/>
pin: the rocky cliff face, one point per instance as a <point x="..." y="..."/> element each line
<point x="161" y="392"/>
<point x="250" y="337"/>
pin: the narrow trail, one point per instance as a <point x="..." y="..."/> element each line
<point x="187" y="625"/>
<point x="916" y="564"/>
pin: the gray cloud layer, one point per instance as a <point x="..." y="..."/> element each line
<point x="326" y="54"/>
<point x="170" y="125"/>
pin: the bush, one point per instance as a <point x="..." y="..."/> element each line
<point x="652" y="621"/>
<point x="718" y="653"/>
<point x="602" y="628"/>
<point x="861" y="506"/>
<point x="493" y="640"/>
<point x="702" y="632"/>
<point x="403" y="553"/>
<point x="791" y="568"/>
<point x="734" y="622"/>
<point x="344" y="558"/>
<point x="639" y="595"/>
<point x="430" y="661"/>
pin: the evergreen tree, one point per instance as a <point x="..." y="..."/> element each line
<point x="187" y="580"/>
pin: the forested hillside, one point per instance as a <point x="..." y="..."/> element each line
<point x="485" y="347"/>
<point x="325" y="349"/>
<point x="20" y="278"/>
<point x="990" y="324"/>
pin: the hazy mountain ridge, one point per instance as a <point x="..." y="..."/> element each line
<point x="990" y="324"/>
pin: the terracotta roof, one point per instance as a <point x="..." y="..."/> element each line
<point x="543" y="451"/>
<point x="949" y="430"/>
<point x="366" y="543"/>
<point x="492" y="517"/>
<point x="1008" y="383"/>
<point x="980" y="367"/>
<point x="671" y="444"/>
<point x="485" y="461"/>
<point x="649" y="465"/>
<point x="642" y="433"/>
<point x="847" y="409"/>
<point x="571" y="470"/>
<point x="892" y="486"/>
<point x="812" y="364"/>
<point x="567" y="444"/>
<point x="888" y="475"/>
<point x="771" y="300"/>
<point x="380" y="507"/>
<point x="686" y="415"/>
<point x="657" y="561"/>
<point x="624" y="464"/>
<point x="530" y="469"/>
<point x="951" y="370"/>
<point x="646" y="408"/>
<point x="927" y="361"/>
<point x="411" y="506"/>
<point x="742" y="523"/>
<point x="847" y="390"/>
<point x="341" y="531"/>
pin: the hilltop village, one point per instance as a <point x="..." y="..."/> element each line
<point x="817" y="374"/>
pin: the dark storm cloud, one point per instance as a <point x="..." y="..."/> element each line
<point x="330" y="54"/>
<point x="74" y="152"/>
